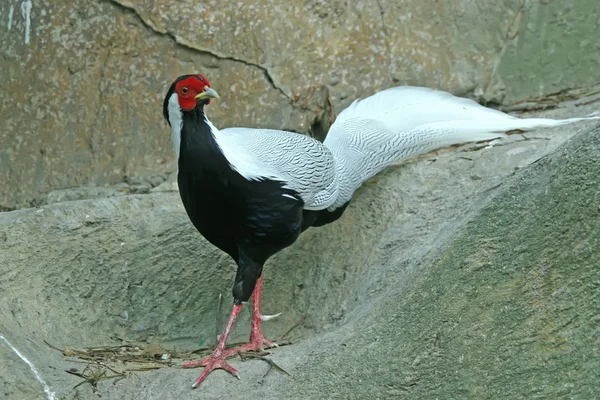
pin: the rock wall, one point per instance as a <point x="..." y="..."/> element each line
<point x="82" y="82"/>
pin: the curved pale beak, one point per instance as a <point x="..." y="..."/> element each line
<point x="208" y="93"/>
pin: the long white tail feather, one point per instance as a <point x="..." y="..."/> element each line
<point x="403" y="122"/>
<point x="405" y="107"/>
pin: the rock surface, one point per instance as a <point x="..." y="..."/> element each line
<point x="469" y="275"/>
<point x="83" y="81"/>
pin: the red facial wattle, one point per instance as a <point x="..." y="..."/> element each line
<point x="188" y="89"/>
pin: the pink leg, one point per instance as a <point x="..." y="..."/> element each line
<point x="217" y="359"/>
<point x="257" y="340"/>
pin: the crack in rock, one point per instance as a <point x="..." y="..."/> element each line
<point x="130" y="7"/>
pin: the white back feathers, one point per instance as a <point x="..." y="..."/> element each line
<point x="300" y="162"/>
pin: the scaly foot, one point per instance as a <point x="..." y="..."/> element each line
<point x="217" y="359"/>
<point x="257" y="341"/>
<point x="212" y="362"/>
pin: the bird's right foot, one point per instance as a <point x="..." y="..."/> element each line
<point x="217" y="360"/>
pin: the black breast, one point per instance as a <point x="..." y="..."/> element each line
<point x="249" y="219"/>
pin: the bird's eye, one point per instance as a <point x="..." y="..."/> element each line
<point x="184" y="90"/>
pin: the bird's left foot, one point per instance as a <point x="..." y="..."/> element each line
<point x="257" y="340"/>
<point x="257" y="343"/>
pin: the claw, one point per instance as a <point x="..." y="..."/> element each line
<point x="269" y="317"/>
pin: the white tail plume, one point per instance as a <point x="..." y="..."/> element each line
<point x="403" y="122"/>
